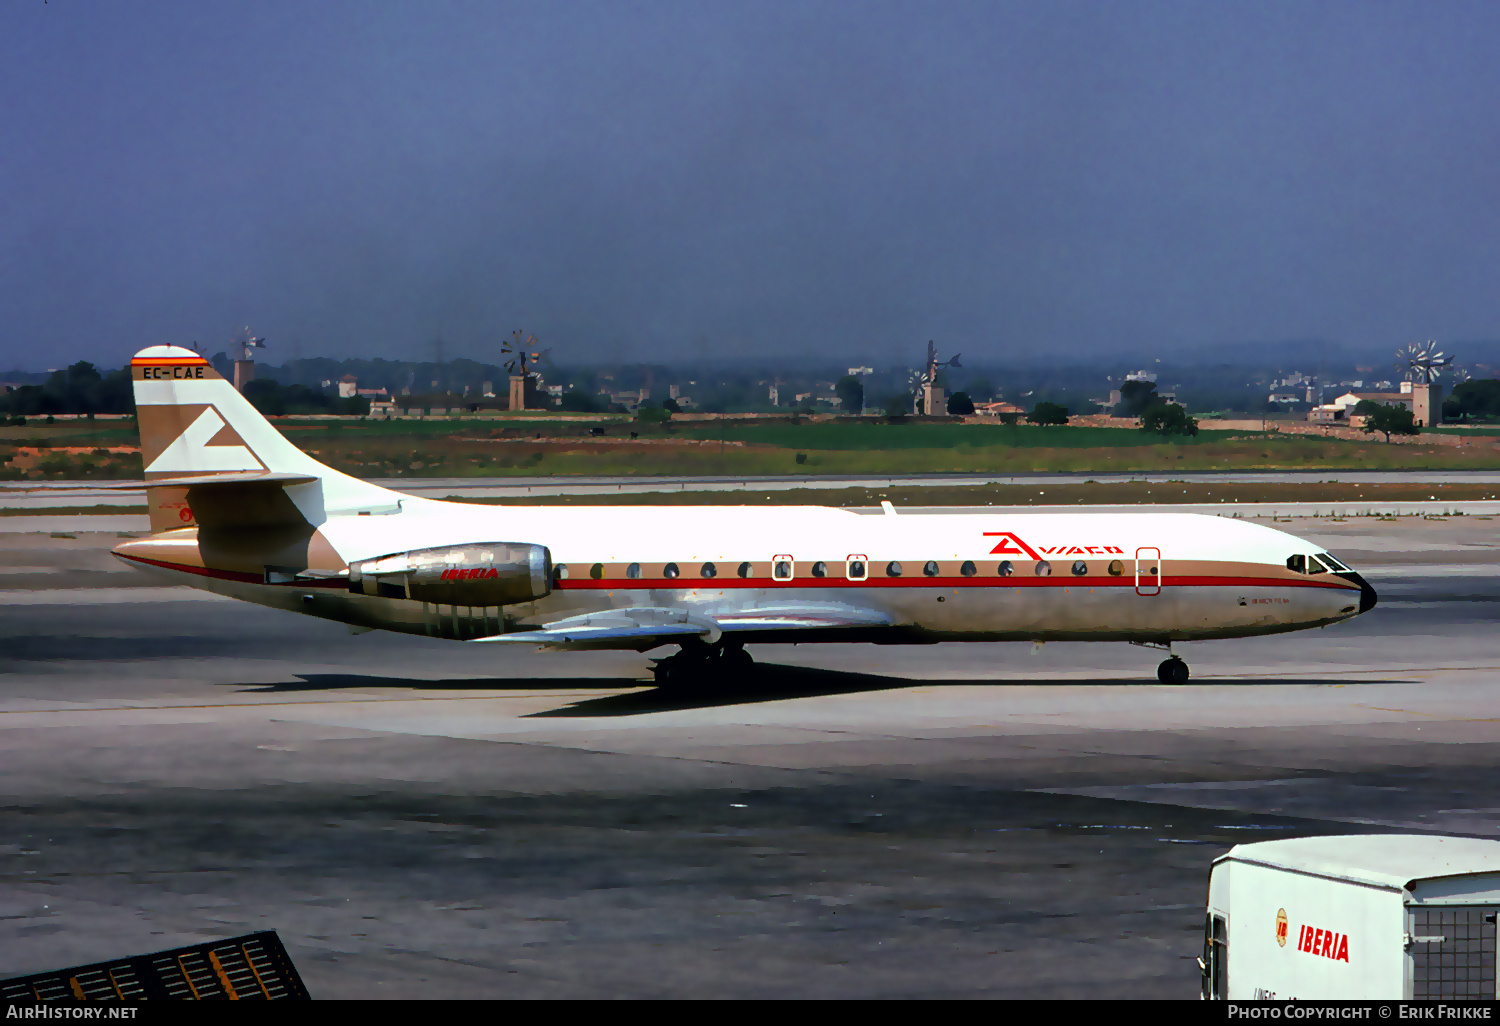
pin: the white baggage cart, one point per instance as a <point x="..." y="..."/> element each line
<point x="1397" y="916"/>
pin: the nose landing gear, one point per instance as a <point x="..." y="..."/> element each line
<point x="1172" y="671"/>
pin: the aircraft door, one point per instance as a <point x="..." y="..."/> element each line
<point x="1148" y="571"/>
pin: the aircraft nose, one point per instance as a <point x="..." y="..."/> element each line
<point x="1367" y="596"/>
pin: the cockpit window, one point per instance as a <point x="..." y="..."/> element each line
<point x="1314" y="566"/>
<point x="1334" y="564"/>
<point x="1297" y="563"/>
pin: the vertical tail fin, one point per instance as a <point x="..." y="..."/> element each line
<point x="194" y="424"/>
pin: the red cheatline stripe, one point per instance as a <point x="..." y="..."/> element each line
<point x="627" y="584"/>
<point x="169" y="361"/>
<point x="814" y="582"/>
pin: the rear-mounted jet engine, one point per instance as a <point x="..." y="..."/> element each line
<point x="479" y="574"/>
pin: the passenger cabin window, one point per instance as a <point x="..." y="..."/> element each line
<point x="670" y="571"/>
<point x="893" y="569"/>
<point x="820" y="569"/>
<point x="560" y="572"/>
<point x="633" y="571"/>
<point x="782" y="570"/>
<point x="596" y="571"/>
<point x="1044" y="569"/>
<point x="1006" y="568"/>
<point x="968" y="569"/>
<point x="929" y="569"/>
<point x="745" y="570"/>
<point x="708" y="570"/>
<point x="855" y="567"/>
<point x="1297" y="563"/>
<point x="1116" y="568"/>
<point x="1080" y="568"/>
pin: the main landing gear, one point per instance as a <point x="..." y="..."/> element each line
<point x="1172" y="671"/>
<point x="701" y="662"/>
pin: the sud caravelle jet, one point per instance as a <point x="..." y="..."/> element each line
<point x="238" y="510"/>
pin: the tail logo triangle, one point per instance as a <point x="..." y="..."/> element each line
<point x="191" y="452"/>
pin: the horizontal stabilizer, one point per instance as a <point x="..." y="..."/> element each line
<point x="200" y="480"/>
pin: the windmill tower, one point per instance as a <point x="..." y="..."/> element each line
<point x="523" y="355"/>
<point x="242" y="347"/>
<point x="1423" y="364"/>
<point x="929" y="397"/>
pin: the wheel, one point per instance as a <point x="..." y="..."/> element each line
<point x="681" y="669"/>
<point x="736" y="660"/>
<point x="1172" y="671"/>
<point x="673" y="671"/>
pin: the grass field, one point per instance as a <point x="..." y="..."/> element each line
<point x="489" y="448"/>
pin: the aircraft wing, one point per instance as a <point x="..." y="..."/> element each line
<point x="801" y="617"/>
<point x="644" y="627"/>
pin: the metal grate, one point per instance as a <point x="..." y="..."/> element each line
<point x="254" y="968"/>
<point x="1461" y="965"/>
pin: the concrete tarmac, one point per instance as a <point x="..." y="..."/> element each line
<point x="419" y="818"/>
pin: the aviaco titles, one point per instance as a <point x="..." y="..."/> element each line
<point x="238" y="510"/>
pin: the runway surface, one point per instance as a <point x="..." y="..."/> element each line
<point x="425" y="818"/>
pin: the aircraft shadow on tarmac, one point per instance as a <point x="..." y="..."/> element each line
<point x="767" y="682"/>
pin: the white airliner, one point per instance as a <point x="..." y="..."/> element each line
<point x="238" y="510"/>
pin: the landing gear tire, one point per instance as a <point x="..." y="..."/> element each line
<point x="1172" y="671"/>
<point x="694" y="665"/>
<point x="676" y="671"/>
<point x="735" y="659"/>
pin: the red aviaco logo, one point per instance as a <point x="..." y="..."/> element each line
<point x="1010" y="544"/>
<point x="1327" y="943"/>
<point x="481" y="573"/>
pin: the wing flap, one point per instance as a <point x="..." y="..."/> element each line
<point x="794" y="618"/>
<point x="619" y="636"/>
<point x="646" y="627"/>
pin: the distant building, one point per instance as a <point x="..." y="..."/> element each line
<point x="348" y="386"/>
<point x="1115" y="397"/>
<point x="630" y="400"/>
<point x="997" y="409"/>
<point x="1349" y="400"/>
<point x="861" y="372"/>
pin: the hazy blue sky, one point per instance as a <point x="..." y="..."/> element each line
<point x="696" y="180"/>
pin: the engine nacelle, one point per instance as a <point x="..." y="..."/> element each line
<point x="476" y="574"/>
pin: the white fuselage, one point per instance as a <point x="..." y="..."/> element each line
<point x="962" y="576"/>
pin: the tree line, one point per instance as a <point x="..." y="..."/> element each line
<point x="80" y="388"/>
